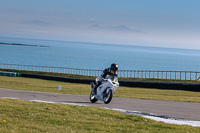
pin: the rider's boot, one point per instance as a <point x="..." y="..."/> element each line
<point x="96" y="86"/>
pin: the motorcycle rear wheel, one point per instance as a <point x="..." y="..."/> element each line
<point x="93" y="98"/>
<point x="108" y="97"/>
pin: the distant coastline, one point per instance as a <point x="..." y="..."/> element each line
<point x="18" y="44"/>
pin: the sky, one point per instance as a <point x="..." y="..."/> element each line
<point x="157" y="23"/>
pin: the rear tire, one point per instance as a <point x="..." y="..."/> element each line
<point x="108" y="97"/>
<point x="93" y="98"/>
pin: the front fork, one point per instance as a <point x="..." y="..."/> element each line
<point x="107" y="91"/>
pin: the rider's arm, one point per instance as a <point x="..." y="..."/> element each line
<point x="105" y="72"/>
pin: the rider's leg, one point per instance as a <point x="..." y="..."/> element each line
<point x="93" y="86"/>
<point x="96" y="86"/>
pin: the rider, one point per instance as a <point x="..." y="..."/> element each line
<point x="111" y="71"/>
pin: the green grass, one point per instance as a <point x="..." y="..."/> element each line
<point x="43" y="85"/>
<point x="84" y="89"/>
<point x="23" y="116"/>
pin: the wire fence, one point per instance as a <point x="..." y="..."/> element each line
<point x="182" y="75"/>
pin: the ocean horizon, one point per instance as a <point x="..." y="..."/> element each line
<point x="97" y="56"/>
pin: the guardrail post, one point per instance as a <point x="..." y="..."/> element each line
<point x="153" y="74"/>
<point x="149" y="74"/>
<point x="196" y="76"/>
<point x="175" y="74"/>
<point x="145" y="74"/>
<point x="185" y="75"/>
<point x="131" y="74"/>
<point x="134" y="73"/>
<point x="180" y="76"/>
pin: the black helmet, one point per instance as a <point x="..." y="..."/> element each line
<point x="114" y="67"/>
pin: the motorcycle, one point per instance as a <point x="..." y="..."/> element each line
<point x="105" y="91"/>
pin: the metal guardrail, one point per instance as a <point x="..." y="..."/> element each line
<point x="182" y="75"/>
<point x="86" y="72"/>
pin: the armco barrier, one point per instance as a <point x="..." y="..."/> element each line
<point x="143" y="74"/>
<point x="142" y="84"/>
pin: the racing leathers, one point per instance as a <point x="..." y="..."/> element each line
<point x="106" y="72"/>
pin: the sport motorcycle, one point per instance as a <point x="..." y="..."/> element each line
<point x="105" y="91"/>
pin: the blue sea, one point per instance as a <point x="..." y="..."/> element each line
<point x="97" y="56"/>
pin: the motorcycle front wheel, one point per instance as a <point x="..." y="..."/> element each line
<point x="108" y="97"/>
<point x="93" y="98"/>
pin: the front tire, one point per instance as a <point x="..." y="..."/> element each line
<point x="93" y="98"/>
<point x="108" y="97"/>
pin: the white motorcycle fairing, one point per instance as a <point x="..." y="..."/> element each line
<point x="105" y="91"/>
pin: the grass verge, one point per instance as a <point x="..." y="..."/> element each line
<point x="84" y="89"/>
<point x="24" y="116"/>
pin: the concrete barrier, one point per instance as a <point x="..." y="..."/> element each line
<point x="162" y="85"/>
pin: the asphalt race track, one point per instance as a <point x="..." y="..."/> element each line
<point x="168" y="109"/>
